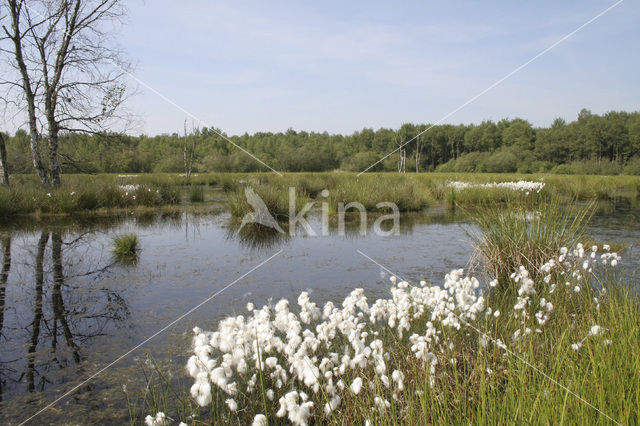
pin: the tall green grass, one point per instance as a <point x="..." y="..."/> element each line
<point x="370" y="190"/>
<point x="526" y="232"/>
<point x="411" y="191"/>
<point x="77" y="197"/>
<point x="126" y="245"/>
<point x="196" y="194"/>
<point x="275" y="198"/>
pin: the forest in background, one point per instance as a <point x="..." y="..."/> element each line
<point x="592" y="144"/>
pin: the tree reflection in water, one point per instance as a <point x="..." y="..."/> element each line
<point x="66" y="314"/>
<point x="5" y="241"/>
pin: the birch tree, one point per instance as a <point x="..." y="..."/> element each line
<point x="4" y="169"/>
<point x="67" y="74"/>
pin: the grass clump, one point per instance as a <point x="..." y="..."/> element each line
<point x="526" y="233"/>
<point x="275" y="198"/>
<point x="126" y="245"/>
<point x="369" y="190"/>
<point x="196" y="194"/>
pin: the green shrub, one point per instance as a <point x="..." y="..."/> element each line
<point x="562" y="169"/>
<point x="501" y="162"/>
<point x="632" y="167"/>
<point x="361" y="161"/>
<point x="589" y="167"/>
<point x="170" y="164"/>
<point x="469" y="162"/>
<point x="534" y="167"/>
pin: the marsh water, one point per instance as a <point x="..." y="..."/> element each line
<point x="68" y="308"/>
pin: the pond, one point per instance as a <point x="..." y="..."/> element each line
<point x="68" y="309"/>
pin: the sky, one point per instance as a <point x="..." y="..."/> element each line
<point x="336" y="66"/>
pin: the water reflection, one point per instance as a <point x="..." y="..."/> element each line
<point x="45" y="326"/>
<point x="258" y="237"/>
<point x="255" y="236"/>
<point x="5" y="242"/>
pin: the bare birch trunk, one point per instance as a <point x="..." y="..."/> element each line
<point x="16" y="37"/>
<point x="4" y="170"/>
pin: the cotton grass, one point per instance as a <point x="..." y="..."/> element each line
<point x="315" y="359"/>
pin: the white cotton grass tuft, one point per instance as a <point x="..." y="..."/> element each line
<point x="309" y="352"/>
<point x="232" y="404"/>
<point x="595" y="330"/>
<point x="521" y="185"/>
<point x="356" y="385"/>
<point x="201" y="389"/>
<point x="160" y="419"/>
<point x="259" y="420"/>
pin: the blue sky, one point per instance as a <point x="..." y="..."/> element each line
<point x="248" y="66"/>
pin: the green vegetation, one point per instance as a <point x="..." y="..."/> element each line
<point x="585" y="354"/>
<point x="80" y="194"/>
<point x="125" y="245"/>
<point x="592" y="144"/>
<point x="275" y="198"/>
<point x="196" y="194"/>
<point x="528" y="233"/>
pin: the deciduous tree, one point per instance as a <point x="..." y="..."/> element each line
<point x="68" y="75"/>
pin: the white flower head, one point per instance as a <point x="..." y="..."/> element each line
<point x="160" y="419"/>
<point x="356" y="385"/>
<point x="259" y="420"/>
<point x="232" y="404"/>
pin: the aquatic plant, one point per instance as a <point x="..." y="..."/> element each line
<point x="125" y="245"/>
<point x="196" y="194"/>
<point x="526" y="233"/>
<point x="369" y="190"/>
<point x="275" y="198"/>
<point x="403" y="357"/>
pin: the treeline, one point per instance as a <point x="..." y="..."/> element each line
<point x="592" y="144"/>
